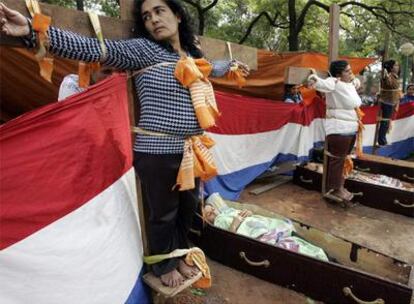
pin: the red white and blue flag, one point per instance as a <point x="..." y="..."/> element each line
<point x="69" y="227"/>
<point x="252" y="134"/>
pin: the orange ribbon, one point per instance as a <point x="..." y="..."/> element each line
<point x="41" y="24"/>
<point x="197" y="162"/>
<point x="188" y="70"/>
<point x="349" y="164"/>
<point x="193" y="74"/>
<point x="360" y="114"/>
<point x="85" y="71"/>
<point x="235" y="74"/>
<point x="197" y="258"/>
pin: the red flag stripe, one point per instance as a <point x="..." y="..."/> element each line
<point x="56" y="158"/>
<point x="249" y="115"/>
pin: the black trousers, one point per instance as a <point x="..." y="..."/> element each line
<point x="384" y="125"/>
<point x="170" y="211"/>
<point x="340" y="146"/>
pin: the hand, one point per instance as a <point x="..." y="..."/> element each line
<point x="245" y="213"/>
<point x="12" y="23"/>
<point x="244" y="68"/>
<point x="312" y="82"/>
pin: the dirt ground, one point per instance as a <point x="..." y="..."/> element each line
<point x="388" y="233"/>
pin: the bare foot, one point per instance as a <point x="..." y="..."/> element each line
<point x="186" y="270"/>
<point x="172" y="279"/>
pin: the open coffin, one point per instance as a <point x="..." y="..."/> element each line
<point x="354" y="273"/>
<point x="396" y="200"/>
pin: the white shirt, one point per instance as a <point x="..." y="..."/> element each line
<point x="341" y="100"/>
<point x="69" y="86"/>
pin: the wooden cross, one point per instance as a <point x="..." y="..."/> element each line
<point x="333" y="55"/>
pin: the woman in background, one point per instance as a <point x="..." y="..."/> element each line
<point x="389" y="97"/>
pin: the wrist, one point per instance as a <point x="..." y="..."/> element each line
<point x="29" y="28"/>
<point x="30" y="39"/>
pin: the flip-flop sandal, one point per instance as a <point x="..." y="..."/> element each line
<point x="344" y="203"/>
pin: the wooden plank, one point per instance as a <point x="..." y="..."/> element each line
<point x="299" y="75"/>
<point x="155" y="283"/>
<point x="325" y="168"/>
<point x="388" y="160"/>
<point x="333" y="32"/>
<point x="217" y="49"/>
<point x="364" y="259"/>
<point x="279" y="169"/>
<point x="77" y="21"/>
<point x="280" y="180"/>
<point x="127" y="9"/>
<point x="333" y="55"/>
<point x="132" y="111"/>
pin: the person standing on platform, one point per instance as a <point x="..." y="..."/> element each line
<point x="341" y="124"/>
<point x="170" y="113"/>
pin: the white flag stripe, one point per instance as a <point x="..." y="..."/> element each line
<point x="92" y="255"/>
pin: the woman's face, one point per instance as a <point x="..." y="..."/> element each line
<point x="395" y="68"/>
<point x="210" y="213"/>
<point x="159" y="20"/>
<point x="410" y="91"/>
<point x="347" y="75"/>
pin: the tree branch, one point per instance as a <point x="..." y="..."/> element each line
<point x="211" y="5"/>
<point x="301" y="20"/>
<point x="373" y="8"/>
<point x="201" y="11"/>
<point x="272" y="22"/>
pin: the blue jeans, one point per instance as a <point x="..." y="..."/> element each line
<point x="384" y="125"/>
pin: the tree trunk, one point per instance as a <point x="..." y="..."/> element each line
<point x="293" y="41"/>
<point x="201" y="21"/>
<point x="79" y="5"/>
<point x="293" y="38"/>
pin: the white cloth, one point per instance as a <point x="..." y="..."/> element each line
<point x="69" y="86"/>
<point x="341" y="101"/>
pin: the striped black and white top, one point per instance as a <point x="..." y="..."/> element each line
<point x="165" y="105"/>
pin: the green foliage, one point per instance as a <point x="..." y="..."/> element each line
<point x="103" y="7"/>
<point x="362" y="33"/>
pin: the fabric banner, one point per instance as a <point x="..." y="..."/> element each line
<point x="269" y="79"/>
<point x="69" y="230"/>
<point x="253" y="134"/>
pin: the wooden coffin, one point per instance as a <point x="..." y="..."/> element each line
<point x="375" y="196"/>
<point x="358" y="273"/>
<point x="401" y="169"/>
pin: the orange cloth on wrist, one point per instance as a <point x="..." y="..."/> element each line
<point x="85" y="71"/>
<point x="236" y="75"/>
<point x="41" y="24"/>
<point x="197" y="162"/>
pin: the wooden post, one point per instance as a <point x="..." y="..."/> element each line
<point x="333" y="55"/>
<point x="333" y="32"/>
<point x="127" y="9"/>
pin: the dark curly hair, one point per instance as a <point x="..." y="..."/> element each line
<point x="337" y="67"/>
<point x="188" y="39"/>
<point x="389" y="64"/>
